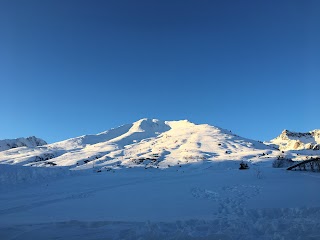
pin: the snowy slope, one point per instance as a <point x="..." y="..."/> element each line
<point x="147" y="143"/>
<point x="198" y="192"/>
<point x="288" y="140"/>
<point x="21" y="142"/>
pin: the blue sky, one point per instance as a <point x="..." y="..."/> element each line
<point x="69" y="68"/>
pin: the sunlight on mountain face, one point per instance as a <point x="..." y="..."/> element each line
<point x="147" y="143"/>
<point x="159" y="179"/>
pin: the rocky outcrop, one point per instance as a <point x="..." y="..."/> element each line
<point x="288" y="140"/>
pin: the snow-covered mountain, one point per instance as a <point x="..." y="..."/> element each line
<point x="288" y="140"/>
<point x="21" y="142"/>
<point x="147" y="143"/>
<point x="199" y="193"/>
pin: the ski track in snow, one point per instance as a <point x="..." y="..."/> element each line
<point x="231" y="199"/>
<point x="233" y="217"/>
<point x="68" y="196"/>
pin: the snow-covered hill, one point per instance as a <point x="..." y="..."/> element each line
<point x="21" y="142"/>
<point x="147" y="143"/>
<point x="288" y="140"/>
<point x="198" y="192"/>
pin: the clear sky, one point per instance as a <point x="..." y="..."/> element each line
<point x="69" y="68"/>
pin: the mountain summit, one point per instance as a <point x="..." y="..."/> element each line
<point x="21" y="142"/>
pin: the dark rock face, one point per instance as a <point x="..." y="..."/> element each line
<point x="316" y="147"/>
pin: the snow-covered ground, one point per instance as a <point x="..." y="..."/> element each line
<point x="203" y="201"/>
<point x="156" y="180"/>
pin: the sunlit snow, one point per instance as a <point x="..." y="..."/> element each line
<point x="157" y="180"/>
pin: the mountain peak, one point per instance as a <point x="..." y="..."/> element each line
<point x="149" y="125"/>
<point x="31" y="141"/>
<point x="146" y="142"/>
<point x="289" y="140"/>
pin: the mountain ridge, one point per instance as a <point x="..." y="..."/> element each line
<point x="31" y="141"/>
<point x="146" y="142"/>
<point x="153" y="143"/>
<point x="289" y="140"/>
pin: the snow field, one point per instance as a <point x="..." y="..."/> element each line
<point x="204" y="201"/>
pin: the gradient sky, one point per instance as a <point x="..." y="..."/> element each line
<point x="69" y="68"/>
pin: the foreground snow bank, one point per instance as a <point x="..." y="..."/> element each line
<point x="264" y="224"/>
<point x="14" y="174"/>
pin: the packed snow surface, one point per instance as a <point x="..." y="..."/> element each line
<point x="196" y="201"/>
<point x="156" y="180"/>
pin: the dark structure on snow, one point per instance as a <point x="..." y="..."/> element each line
<point x="312" y="164"/>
